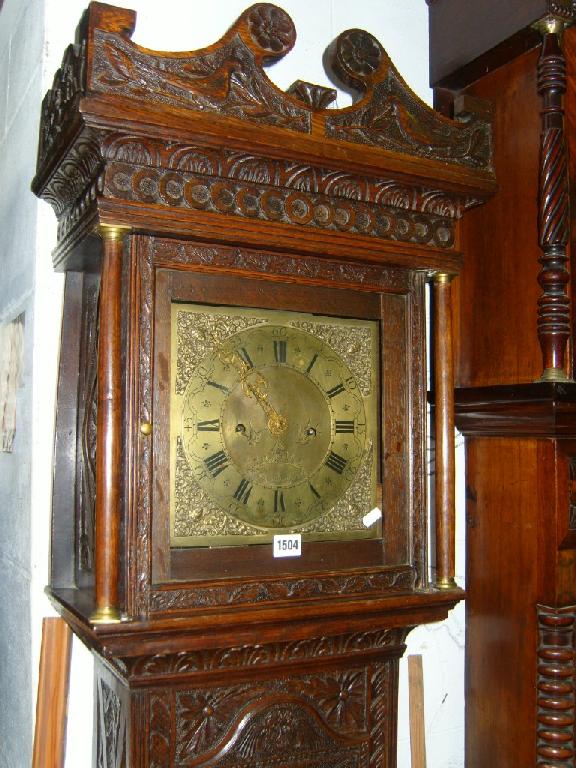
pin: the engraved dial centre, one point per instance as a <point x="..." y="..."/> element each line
<point x="277" y="459"/>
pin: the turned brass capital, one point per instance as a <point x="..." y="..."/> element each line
<point x="442" y="278"/>
<point x="112" y="232"/>
<point x="550" y="25"/>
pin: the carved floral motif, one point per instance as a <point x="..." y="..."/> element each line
<point x="310" y="269"/>
<point x="264" y="590"/>
<point x="270" y="723"/>
<point x="271" y="28"/>
<point x="111" y="726"/>
<point x="359" y="53"/>
<point x="226" y="81"/>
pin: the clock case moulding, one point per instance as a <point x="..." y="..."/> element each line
<point x="192" y="177"/>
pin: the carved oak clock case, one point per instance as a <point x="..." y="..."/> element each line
<point x="243" y="376"/>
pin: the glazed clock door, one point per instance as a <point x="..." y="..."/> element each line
<point x="268" y="422"/>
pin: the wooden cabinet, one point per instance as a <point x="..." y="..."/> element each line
<point x="519" y="421"/>
<point x="243" y="357"/>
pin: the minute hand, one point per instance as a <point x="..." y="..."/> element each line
<point x="276" y="422"/>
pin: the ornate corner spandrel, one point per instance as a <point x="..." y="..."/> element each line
<point x="392" y="117"/>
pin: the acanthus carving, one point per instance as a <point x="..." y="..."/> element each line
<point x="61" y="100"/>
<point x="268" y="654"/>
<point x="392" y="117"/>
<point x="227" y="81"/>
<point x="261" y="591"/>
<point x="556" y="683"/>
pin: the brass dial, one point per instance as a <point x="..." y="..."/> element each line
<point x="273" y="426"/>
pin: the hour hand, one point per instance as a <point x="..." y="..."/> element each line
<point x="275" y="421"/>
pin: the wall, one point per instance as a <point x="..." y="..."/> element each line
<point x="20" y="95"/>
<point x="175" y="25"/>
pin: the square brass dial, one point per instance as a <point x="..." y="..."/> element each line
<point x="273" y="425"/>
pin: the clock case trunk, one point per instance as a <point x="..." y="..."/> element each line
<point x="241" y="661"/>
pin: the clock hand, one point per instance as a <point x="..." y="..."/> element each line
<point x="276" y="422"/>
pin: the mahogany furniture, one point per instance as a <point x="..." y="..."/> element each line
<point x="516" y="402"/>
<point x="187" y="185"/>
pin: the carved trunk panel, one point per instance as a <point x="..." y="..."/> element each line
<point x="339" y="716"/>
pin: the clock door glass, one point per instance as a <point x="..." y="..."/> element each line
<point x="272" y="422"/>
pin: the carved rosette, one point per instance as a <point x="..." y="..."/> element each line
<point x="556" y="682"/>
<point x="393" y="117"/>
<point x="227" y="81"/>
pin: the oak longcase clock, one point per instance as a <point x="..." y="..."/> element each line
<point x="239" y="512"/>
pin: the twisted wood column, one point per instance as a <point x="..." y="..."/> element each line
<point x="556" y="680"/>
<point x="109" y="429"/>
<point x="444" y="428"/>
<point x="554" y="304"/>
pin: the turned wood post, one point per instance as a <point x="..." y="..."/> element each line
<point x="444" y="428"/>
<point x="109" y="427"/>
<point x="554" y="304"/>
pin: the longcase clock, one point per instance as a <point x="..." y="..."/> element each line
<point x="239" y="511"/>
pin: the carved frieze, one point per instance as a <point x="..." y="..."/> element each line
<point x="262" y="591"/>
<point x="254" y="657"/>
<point x="318" y="270"/>
<point x="226" y="81"/>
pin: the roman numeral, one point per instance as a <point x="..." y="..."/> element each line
<point x="246" y="357"/>
<point x="280" y="351"/>
<point x="335" y="462"/>
<point x="243" y="491"/>
<point x="314" y="491"/>
<point x="335" y="390"/>
<point x="311" y="363"/>
<point x="212" y="425"/>
<point x="216" y="463"/>
<point x="221" y="387"/>
<point x="279" y="505"/>
<point x="344" y="427"/>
